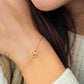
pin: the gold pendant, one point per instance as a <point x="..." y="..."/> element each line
<point x="35" y="54"/>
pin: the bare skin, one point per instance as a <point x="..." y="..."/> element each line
<point x="75" y="6"/>
<point x="77" y="9"/>
<point x="48" y="5"/>
<point x="18" y="37"/>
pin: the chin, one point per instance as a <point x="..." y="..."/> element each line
<point x="48" y="5"/>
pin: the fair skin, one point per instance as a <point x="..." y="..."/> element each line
<point x="76" y="8"/>
<point x="18" y="38"/>
<point x="49" y="5"/>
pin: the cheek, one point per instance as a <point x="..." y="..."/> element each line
<point x="47" y="5"/>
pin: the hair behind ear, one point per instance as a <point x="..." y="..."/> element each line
<point x="54" y="26"/>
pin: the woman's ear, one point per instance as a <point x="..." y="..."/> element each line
<point x="48" y="5"/>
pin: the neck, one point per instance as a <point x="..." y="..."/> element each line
<point x="76" y="8"/>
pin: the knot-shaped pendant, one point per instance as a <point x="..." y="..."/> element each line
<point x="35" y="53"/>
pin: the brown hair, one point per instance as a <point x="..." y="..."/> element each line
<point x="54" y="26"/>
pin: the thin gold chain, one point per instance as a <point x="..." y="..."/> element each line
<point x="34" y="54"/>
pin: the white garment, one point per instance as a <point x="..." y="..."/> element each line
<point x="2" y="78"/>
<point x="77" y="64"/>
<point x="66" y="78"/>
<point x="77" y="60"/>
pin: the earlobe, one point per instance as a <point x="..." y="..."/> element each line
<point x="48" y="5"/>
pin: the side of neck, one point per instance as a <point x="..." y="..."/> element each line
<point x="76" y="8"/>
